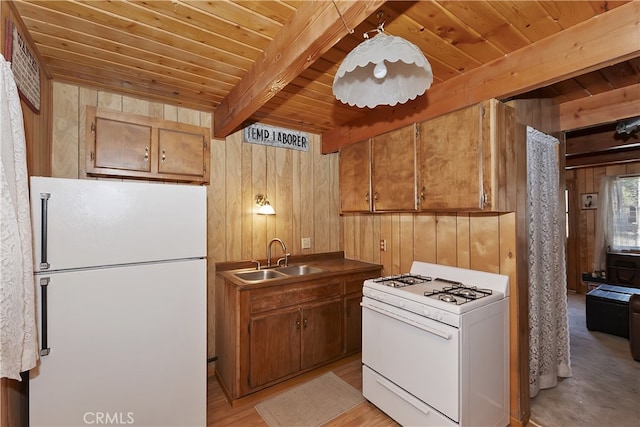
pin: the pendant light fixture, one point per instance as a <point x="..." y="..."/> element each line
<point x="382" y="70"/>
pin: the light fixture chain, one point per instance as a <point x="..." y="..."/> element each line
<point x="342" y="18"/>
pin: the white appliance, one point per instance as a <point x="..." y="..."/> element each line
<point x="435" y="346"/>
<point x="121" y="303"/>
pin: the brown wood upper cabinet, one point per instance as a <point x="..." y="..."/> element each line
<point x="466" y="159"/>
<point x="379" y="174"/>
<point x="355" y="177"/>
<point x="133" y="146"/>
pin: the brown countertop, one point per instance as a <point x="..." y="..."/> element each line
<point x="331" y="263"/>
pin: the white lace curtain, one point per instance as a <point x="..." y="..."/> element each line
<point x="604" y="216"/>
<point x="18" y="337"/>
<point x="548" y="314"/>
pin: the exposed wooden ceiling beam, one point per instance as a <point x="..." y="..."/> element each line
<point x="604" y="40"/>
<point x="602" y="108"/>
<point x="627" y="155"/>
<point x="313" y="30"/>
<point x="600" y="142"/>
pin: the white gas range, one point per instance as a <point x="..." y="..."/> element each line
<point x="435" y="346"/>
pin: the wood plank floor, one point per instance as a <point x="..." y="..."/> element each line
<point x="221" y="413"/>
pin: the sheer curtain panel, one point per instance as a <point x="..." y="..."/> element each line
<point x="548" y="313"/>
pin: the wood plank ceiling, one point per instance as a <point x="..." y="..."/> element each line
<point x="274" y="61"/>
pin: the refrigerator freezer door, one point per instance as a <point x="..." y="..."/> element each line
<point x="95" y="223"/>
<point x="127" y="346"/>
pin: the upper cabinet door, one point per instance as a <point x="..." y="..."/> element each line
<point x="451" y="161"/>
<point x="393" y="159"/>
<point x="181" y="152"/>
<point x="122" y="145"/>
<point x="355" y="177"/>
<point x="133" y="146"/>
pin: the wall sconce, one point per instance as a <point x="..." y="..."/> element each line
<point x="265" y="206"/>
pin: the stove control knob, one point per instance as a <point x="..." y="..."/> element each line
<point x="438" y="315"/>
<point x="401" y="304"/>
<point x="426" y="312"/>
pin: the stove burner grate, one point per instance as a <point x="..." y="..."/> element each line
<point x="457" y="293"/>
<point x="402" y="280"/>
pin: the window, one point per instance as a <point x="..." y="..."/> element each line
<point x="625" y="205"/>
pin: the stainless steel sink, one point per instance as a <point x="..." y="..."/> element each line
<point x="299" y="270"/>
<point x="259" y="275"/>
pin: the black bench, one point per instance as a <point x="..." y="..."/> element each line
<point x="608" y="309"/>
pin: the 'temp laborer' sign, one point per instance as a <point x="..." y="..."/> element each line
<point x="276" y="137"/>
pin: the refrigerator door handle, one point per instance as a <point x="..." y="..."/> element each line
<point x="44" y="207"/>
<point x="44" y="282"/>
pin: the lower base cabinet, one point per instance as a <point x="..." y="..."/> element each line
<point x="270" y="334"/>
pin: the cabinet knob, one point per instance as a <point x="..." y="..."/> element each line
<point x="298" y="324"/>
<point x="366" y="197"/>
<point x="164" y="155"/>
<point x="375" y="196"/>
<point x="146" y="153"/>
<point x="423" y="193"/>
<point x="304" y="322"/>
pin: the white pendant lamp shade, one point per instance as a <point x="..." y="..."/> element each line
<point x="382" y="70"/>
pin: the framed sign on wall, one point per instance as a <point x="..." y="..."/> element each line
<point x="25" y="68"/>
<point x="589" y="200"/>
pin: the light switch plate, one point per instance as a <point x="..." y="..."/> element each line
<point x="306" y="242"/>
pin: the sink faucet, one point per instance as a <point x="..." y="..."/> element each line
<point x="284" y="250"/>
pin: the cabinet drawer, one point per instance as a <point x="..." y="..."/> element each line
<point x="283" y="296"/>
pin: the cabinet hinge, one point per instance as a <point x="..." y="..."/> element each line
<point x="249" y="328"/>
<point x="417" y="131"/>
<point x="92" y="156"/>
<point x="93" y="127"/>
<point x="483" y="111"/>
<point x="484" y="200"/>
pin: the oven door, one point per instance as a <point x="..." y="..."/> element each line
<point x="415" y="353"/>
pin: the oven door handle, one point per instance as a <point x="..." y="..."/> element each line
<point x="404" y="396"/>
<point x="434" y="331"/>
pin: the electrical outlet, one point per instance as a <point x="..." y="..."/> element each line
<point x="383" y="245"/>
<point x="306" y="242"/>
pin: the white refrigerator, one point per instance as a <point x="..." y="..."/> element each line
<point x="120" y="277"/>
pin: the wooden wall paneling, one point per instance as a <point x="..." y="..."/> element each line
<point x="518" y="366"/>
<point x="235" y="187"/>
<point x="484" y="233"/>
<point x="573" y="271"/>
<point x="86" y="97"/>
<point x="170" y="112"/>
<point x="255" y="233"/>
<point x="463" y="242"/>
<point x="65" y="136"/>
<point x="135" y="106"/>
<point x="386" y="233"/>
<point x="424" y="230"/>
<point x="396" y="244"/>
<point x="325" y="190"/>
<point x="333" y="220"/>
<point x="447" y="251"/>
<point x="519" y="288"/>
<point x="296" y="205"/>
<point x="283" y="177"/>
<point x="112" y="101"/>
<point x="633" y="167"/>
<point x="349" y="229"/>
<point x="370" y="238"/>
<point x="406" y="242"/>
